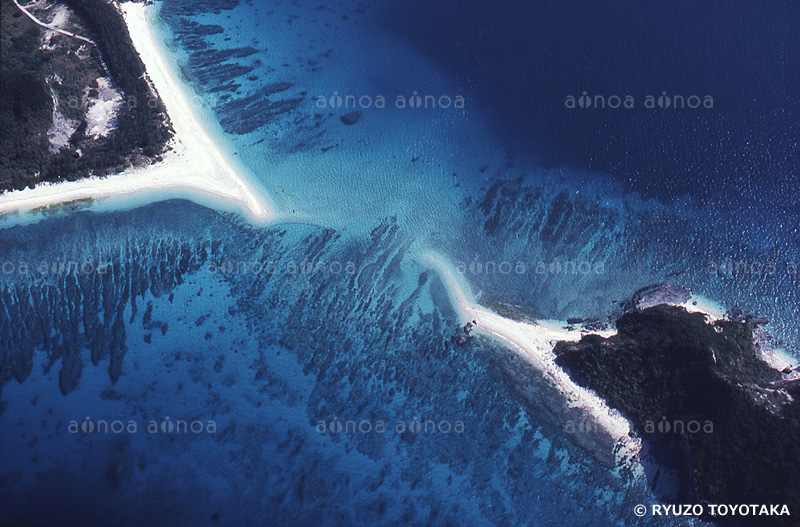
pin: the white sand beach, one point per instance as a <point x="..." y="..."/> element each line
<point x="197" y="168"/>
<point x="700" y="304"/>
<point x="534" y="342"/>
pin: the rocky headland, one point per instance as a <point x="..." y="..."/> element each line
<point x="708" y="408"/>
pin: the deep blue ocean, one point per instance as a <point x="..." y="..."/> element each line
<point x="173" y="365"/>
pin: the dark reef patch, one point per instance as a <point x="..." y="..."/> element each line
<point x="370" y="341"/>
<point x="70" y="313"/>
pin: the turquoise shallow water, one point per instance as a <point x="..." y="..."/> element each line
<point x="177" y="311"/>
<point x="451" y="182"/>
<point x="268" y="358"/>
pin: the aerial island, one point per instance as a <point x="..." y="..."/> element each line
<point x="93" y="111"/>
<point x="697" y="398"/>
<point x="706" y="403"/>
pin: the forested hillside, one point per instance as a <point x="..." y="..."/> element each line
<point x="44" y="71"/>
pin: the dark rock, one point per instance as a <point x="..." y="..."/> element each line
<point x="667" y="366"/>
<point x="736" y="314"/>
<point x="351" y="118"/>
<point x="595" y="325"/>
<point x="461" y="340"/>
<point x="654" y="295"/>
<point x="756" y="320"/>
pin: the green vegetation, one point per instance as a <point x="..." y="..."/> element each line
<point x="25" y="103"/>
<point x="75" y="204"/>
<point x="70" y="69"/>
<point x="143" y="125"/>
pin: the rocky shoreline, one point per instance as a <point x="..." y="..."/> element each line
<point x="711" y="413"/>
